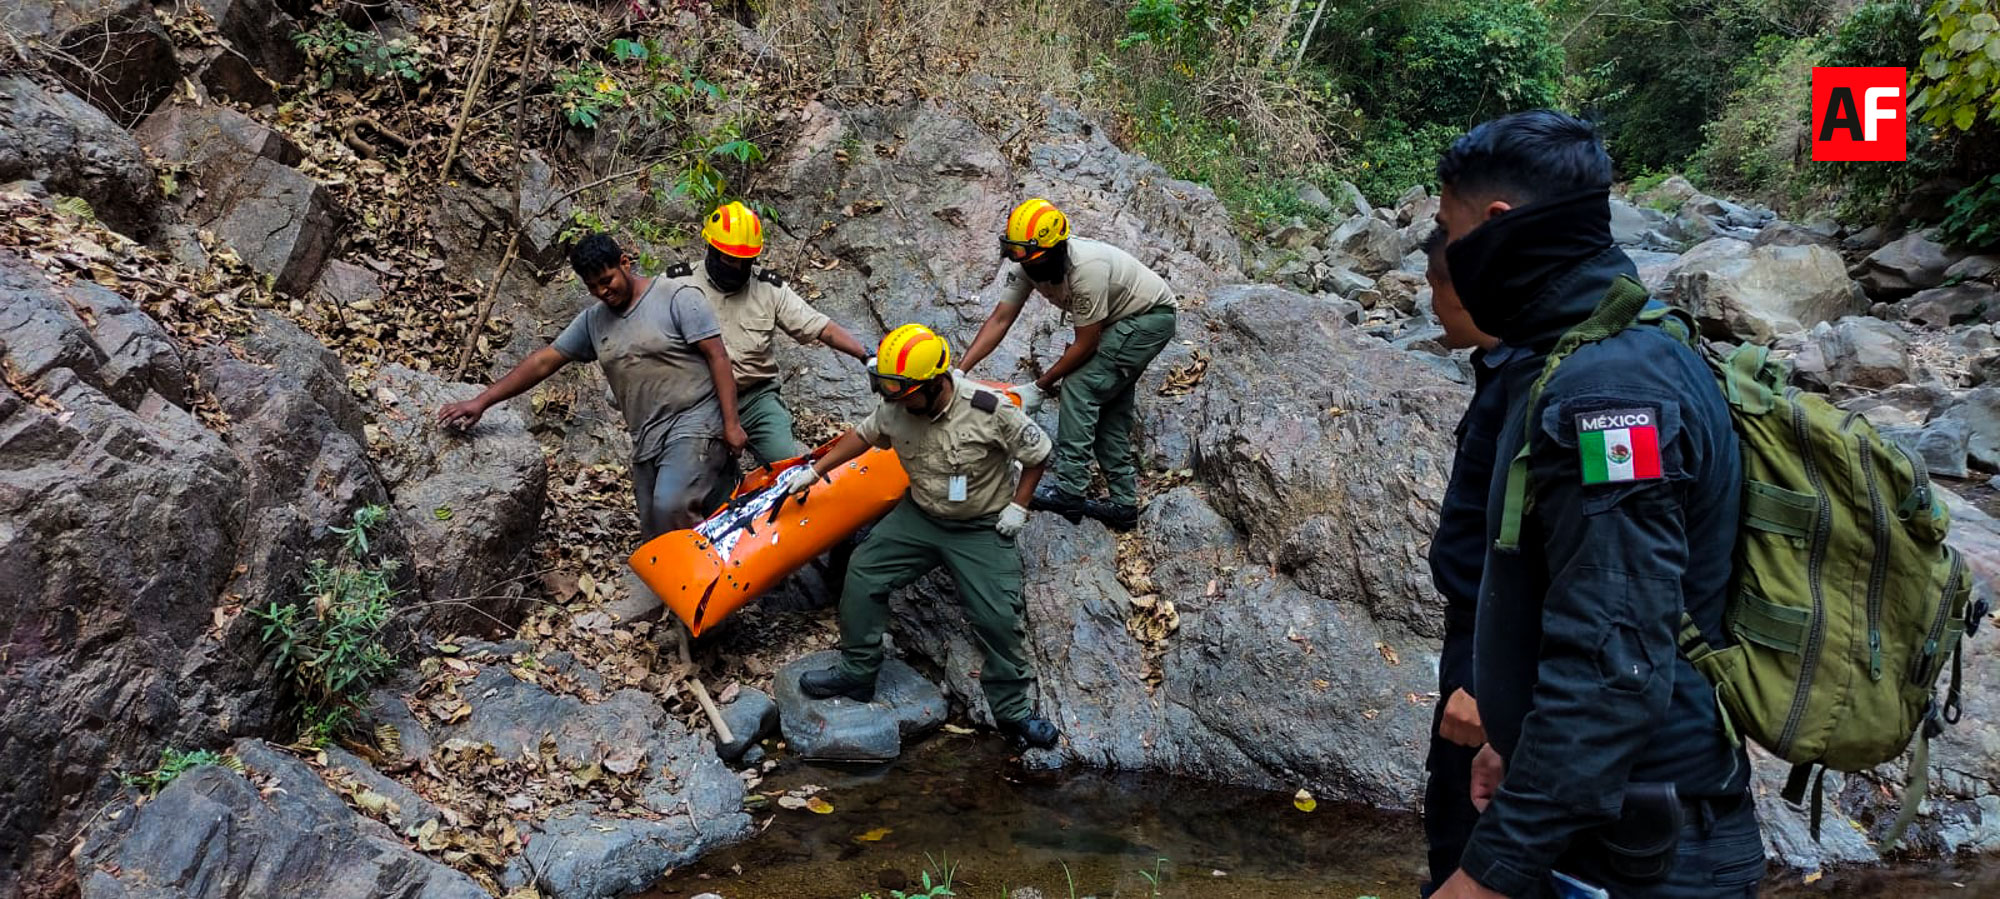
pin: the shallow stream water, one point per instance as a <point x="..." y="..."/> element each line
<point x="959" y="801"/>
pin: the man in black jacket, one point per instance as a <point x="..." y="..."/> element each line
<point x="1613" y="509"/>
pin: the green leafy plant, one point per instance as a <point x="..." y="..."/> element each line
<point x="337" y="49"/>
<point x="1973" y="219"/>
<point x="331" y="648"/>
<point x="587" y="92"/>
<point x="1959" y="73"/>
<point x="174" y="763"/>
<point x="1154" y="877"/>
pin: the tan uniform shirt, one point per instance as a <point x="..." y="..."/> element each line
<point x="751" y="318"/>
<point x="967" y="443"/>
<point x="1104" y="284"/>
<point x="658" y="376"/>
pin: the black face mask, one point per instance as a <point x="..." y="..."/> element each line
<point x="1504" y="264"/>
<point x="726" y="273"/>
<point x="1050" y="267"/>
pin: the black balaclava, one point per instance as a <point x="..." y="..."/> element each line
<point x="726" y="277"/>
<point x="1504" y="264"/>
<point x="1051" y="266"/>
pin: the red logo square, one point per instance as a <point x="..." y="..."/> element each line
<point x="1860" y="114"/>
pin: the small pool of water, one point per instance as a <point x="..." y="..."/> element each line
<point x="961" y="800"/>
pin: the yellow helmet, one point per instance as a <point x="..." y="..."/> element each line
<point x="734" y="230"/>
<point x="907" y="359"/>
<point x="1034" y="228"/>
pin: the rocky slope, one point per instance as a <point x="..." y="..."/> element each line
<point x="179" y="440"/>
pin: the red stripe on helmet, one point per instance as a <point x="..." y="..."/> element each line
<point x="1035" y="219"/>
<point x="740" y="251"/>
<point x="904" y="357"/>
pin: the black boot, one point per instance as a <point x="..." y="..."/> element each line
<point x="1116" y="516"/>
<point x="1032" y="731"/>
<point x="827" y="683"/>
<point x="1050" y="498"/>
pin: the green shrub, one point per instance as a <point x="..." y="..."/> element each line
<point x="174" y="763"/>
<point x="1973" y="221"/>
<point x="1878" y="33"/>
<point x="1959" y="71"/>
<point x="331" y="648"/>
<point x="338" y="50"/>
<point x="1760" y="142"/>
<point x="1393" y="157"/>
<point x="1455" y="65"/>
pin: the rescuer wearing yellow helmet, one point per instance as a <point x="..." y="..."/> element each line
<point x="959" y="442"/>
<point x="1124" y="316"/>
<point x="753" y="307"/>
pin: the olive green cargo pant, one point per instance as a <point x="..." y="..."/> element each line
<point x="1099" y="406"/>
<point x="907" y="544"/>
<point x="764" y="416"/>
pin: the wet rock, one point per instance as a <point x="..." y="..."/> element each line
<point x="1979" y="409"/>
<point x="52" y="136"/>
<point x="115" y="53"/>
<point x="1904" y="266"/>
<point x="470" y="502"/>
<point x="1741" y="292"/>
<point x="1858" y="351"/>
<point x="213" y="834"/>
<point x="751" y="716"/>
<point x="580" y="852"/>
<point x="1941" y="307"/>
<point x="906" y="707"/>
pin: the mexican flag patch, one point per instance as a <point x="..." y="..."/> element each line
<point x="1618" y="445"/>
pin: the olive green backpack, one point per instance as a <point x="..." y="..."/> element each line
<point x="1846" y="602"/>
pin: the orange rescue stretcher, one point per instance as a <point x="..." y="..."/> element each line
<point x="762" y="535"/>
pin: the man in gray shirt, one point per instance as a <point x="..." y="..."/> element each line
<point x="661" y="348"/>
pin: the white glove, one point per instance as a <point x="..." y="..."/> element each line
<point x="797" y="478"/>
<point x="1031" y="397"/>
<point x="1012" y="520"/>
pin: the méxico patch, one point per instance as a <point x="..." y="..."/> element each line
<point x="1619" y="445"/>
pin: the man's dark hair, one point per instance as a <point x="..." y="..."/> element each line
<point x="1526" y="157"/>
<point x="593" y="254"/>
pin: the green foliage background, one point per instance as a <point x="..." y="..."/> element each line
<point x="1255" y="97"/>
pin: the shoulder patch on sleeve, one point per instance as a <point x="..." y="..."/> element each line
<point x="985" y="401"/>
<point x="678" y="270"/>
<point x="1619" y="445"/>
<point x="770" y="277"/>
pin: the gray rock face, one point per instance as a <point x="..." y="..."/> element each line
<point x="470" y="503"/>
<point x="1979" y="409"/>
<point x="1941" y="447"/>
<point x="281" y="222"/>
<point x="1974" y="268"/>
<point x="1904" y="266"/>
<point x="751" y="716"/>
<point x="1958" y="304"/>
<point x="213" y="834"/>
<point x="346" y="284"/>
<point x="1787" y="234"/>
<point x="250" y="25"/>
<point x="52" y="136"/>
<point x="1742" y="292"/>
<point x="1862" y="352"/>
<point x="1366" y="244"/>
<point x="115" y="53"/>
<point x="474" y="224"/>
<point x="906" y="707"/>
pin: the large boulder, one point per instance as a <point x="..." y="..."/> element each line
<point x="1857" y="351"/>
<point x="1744" y="292"/>
<point x="214" y="833"/>
<point x="50" y="135"/>
<point x="1979" y="409"/>
<point x="281" y="222"/>
<point x="1904" y="266"/>
<point x="905" y="708"/>
<point x="133" y="535"/>
<point x="261" y="31"/>
<point x="1292" y="663"/>
<point x="474" y="225"/>
<point x="1367" y="245"/>
<point x="470" y="502"/>
<point x="1941" y="307"/>
<point x="113" y="52"/>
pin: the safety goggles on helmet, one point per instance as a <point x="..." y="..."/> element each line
<point x="894" y="387"/>
<point x="1021" y="250"/>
